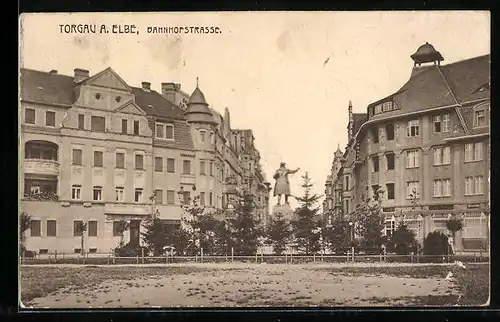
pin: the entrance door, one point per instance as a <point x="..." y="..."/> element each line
<point x="135" y="226"/>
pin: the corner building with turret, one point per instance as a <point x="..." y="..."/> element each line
<point x="97" y="150"/>
<point x="429" y="139"/>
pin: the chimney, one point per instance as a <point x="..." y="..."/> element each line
<point x="53" y="71"/>
<point x="146" y="86"/>
<point x="80" y="75"/>
<point x="169" y="90"/>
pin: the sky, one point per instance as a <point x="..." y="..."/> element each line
<point x="288" y="76"/>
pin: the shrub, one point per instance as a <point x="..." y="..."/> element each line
<point x="130" y="250"/>
<point x="436" y="243"/>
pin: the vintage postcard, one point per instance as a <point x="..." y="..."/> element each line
<point x="254" y="159"/>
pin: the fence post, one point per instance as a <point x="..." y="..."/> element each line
<point x="201" y="254"/>
<point x="137" y="259"/>
<point x="291" y="257"/>
<point x="353" y="254"/>
<point x="55" y="256"/>
<point x="196" y="258"/>
<point x="480" y="255"/>
<point x="232" y="254"/>
<point x="142" y="253"/>
<point x="314" y="258"/>
<point x="256" y="258"/>
<point x="262" y="256"/>
<point x="227" y="259"/>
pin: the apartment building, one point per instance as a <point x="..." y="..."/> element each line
<point x="97" y="150"/>
<point x="429" y="139"/>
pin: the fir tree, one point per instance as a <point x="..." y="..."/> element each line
<point x="339" y="236"/>
<point x="279" y="233"/>
<point x="244" y="227"/>
<point x="402" y="240"/>
<point x="304" y="227"/>
<point x="369" y="224"/>
<point x="156" y="235"/>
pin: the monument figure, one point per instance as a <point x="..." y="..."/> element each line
<point x="282" y="185"/>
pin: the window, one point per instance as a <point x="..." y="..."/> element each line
<point x="436" y="120"/>
<point x="211" y="168"/>
<point x="446" y="123"/>
<point x="442" y="155"/>
<point x="412" y="189"/>
<point x="202" y="136"/>
<point x="412" y="159"/>
<point x="138" y="195"/>
<point x="474" y="185"/>
<point x="390" y="226"/>
<point x="98" y="159"/>
<point x="171" y="165"/>
<point x="186" y="167"/>
<point x="139" y="162"/>
<point x="390" y="191"/>
<point x="92" y="228"/>
<point x="187" y="197"/>
<point x="35" y="228"/>
<point x="169" y="131"/>
<point x="378" y="109"/>
<point x="136" y="127"/>
<point x="51" y="228"/>
<point x="77" y="224"/>
<point x="81" y="122"/>
<point x="474" y="225"/>
<point x="120" y="160"/>
<point x="210" y="199"/>
<point x="76" y="192"/>
<point x="98" y="124"/>
<point x="43" y="251"/>
<point x="389" y="130"/>
<point x="375" y="163"/>
<point x="116" y="229"/>
<point x="442" y="188"/>
<point x="97" y="193"/>
<point x="124" y="126"/>
<point x="375" y="135"/>
<point x="479" y="118"/>
<point x="160" y="131"/>
<point x="158" y="196"/>
<point x="387" y="106"/>
<point x="202" y="168"/>
<point x="29" y="116"/>
<point x="212" y="137"/>
<point x="77" y="157"/>
<point x="346" y="206"/>
<point x="158" y="164"/>
<point x="170" y="197"/>
<point x="413" y="128"/>
<point x="416" y="225"/>
<point x="473" y="151"/>
<point x="346" y="182"/>
<point x="390" y="161"/>
<point x="120" y="196"/>
<point x="50" y="119"/>
<point x="202" y="199"/>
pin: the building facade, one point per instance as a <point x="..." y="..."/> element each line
<point x="424" y="151"/>
<point x="96" y="150"/>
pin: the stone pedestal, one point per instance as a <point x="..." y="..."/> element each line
<point x="284" y="210"/>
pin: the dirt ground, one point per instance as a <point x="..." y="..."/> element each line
<point x="257" y="286"/>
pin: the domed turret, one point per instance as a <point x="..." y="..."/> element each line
<point x="197" y="110"/>
<point x="426" y="54"/>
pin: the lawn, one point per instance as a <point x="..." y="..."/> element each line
<point x="253" y="285"/>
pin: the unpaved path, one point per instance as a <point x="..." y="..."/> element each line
<point x="251" y="285"/>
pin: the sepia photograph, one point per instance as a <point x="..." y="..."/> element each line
<point x="254" y="159"/>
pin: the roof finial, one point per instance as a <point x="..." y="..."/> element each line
<point x="196" y="81"/>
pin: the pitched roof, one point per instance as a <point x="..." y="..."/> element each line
<point x="437" y="86"/>
<point x="46" y="87"/>
<point x="358" y="120"/>
<point x="155" y="104"/>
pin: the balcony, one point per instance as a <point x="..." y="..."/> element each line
<point x="41" y="166"/>
<point x="128" y="209"/>
<point x="41" y="196"/>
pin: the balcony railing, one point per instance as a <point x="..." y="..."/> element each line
<point x="42" y="196"/>
<point x="41" y="166"/>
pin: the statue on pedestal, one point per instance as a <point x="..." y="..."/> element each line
<point x="282" y="185"/>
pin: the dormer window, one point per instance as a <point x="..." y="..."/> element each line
<point x="479" y="118"/>
<point x="164" y="131"/>
<point x="202" y="136"/>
